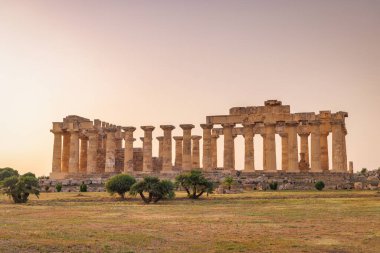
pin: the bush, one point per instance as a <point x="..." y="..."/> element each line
<point x="20" y="187"/>
<point x="273" y="186"/>
<point x="58" y="187"/>
<point x="47" y="187"/>
<point x="228" y="181"/>
<point x="83" y="187"/>
<point x="319" y="185"/>
<point x="120" y="184"/>
<point x="194" y="183"/>
<point x="363" y="171"/>
<point x="155" y="189"/>
<point x="7" y="172"/>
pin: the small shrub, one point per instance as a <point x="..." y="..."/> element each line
<point x="47" y="188"/>
<point x="228" y="181"/>
<point x="120" y="184"/>
<point x="58" y="187"/>
<point x="273" y="186"/>
<point x="363" y="171"/>
<point x="83" y="187"/>
<point x="20" y="187"/>
<point x="155" y="189"/>
<point x="195" y="183"/>
<point x="319" y="185"/>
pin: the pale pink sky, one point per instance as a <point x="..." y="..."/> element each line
<point x="172" y="62"/>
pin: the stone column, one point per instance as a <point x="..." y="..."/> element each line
<point x="315" y="146"/>
<point x="160" y="146"/>
<point x="270" y="147"/>
<point x="291" y="128"/>
<point x="167" y="164"/>
<point x="186" y="153"/>
<point x="178" y="151"/>
<point x="264" y="151"/>
<point x="66" y="152"/>
<point x="249" y="154"/>
<point x="206" y="158"/>
<point x="195" y="159"/>
<point x="233" y="150"/>
<point x="228" y="146"/>
<point x="351" y="167"/>
<point x="337" y="146"/>
<point x="83" y="154"/>
<point x="110" y="150"/>
<point x="57" y="151"/>
<point x="305" y="146"/>
<point x="147" y="148"/>
<point x="128" y="149"/>
<point x="92" y="151"/>
<point x="214" y="150"/>
<point x="74" y="151"/>
<point x="345" y="148"/>
<point x="284" y="151"/>
<point x="118" y="138"/>
<point x="324" y="152"/>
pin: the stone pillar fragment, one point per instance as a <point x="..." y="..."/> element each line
<point x="128" y="149"/>
<point x="315" y="147"/>
<point x="291" y="128"/>
<point x="305" y="146"/>
<point x="206" y="158"/>
<point x="264" y="151"/>
<point x="167" y="164"/>
<point x="338" y="150"/>
<point x="147" y="148"/>
<point x="351" y="167"/>
<point x="74" y="151"/>
<point x="178" y="151"/>
<point x="228" y="146"/>
<point x="249" y="154"/>
<point x="160" y="146"/>
<point x="57" y="151"/>
<point x="186" y="153"/>
<point x="66" y="152"/>
<point x="195" y="159"/>
<point x="284" y="151"/>
<point x="270" y="147"/>
<point x="110" y="151"/>
<point x="214" y="150"/>
<point x="324" y="152"/>
<point x="83" y="154"/>
<point x="92" y="152"/>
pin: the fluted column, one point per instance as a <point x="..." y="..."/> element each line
<point x="65" y="152"/>
<point x="344" y="149"/>
<point x="228" y="146"/>
<point x="167" y="164"/>
<point x="178" y="151"/>
<point x="57" y="151"/>
<point x="315" y="146"/>
<point x="305" y="146"/>
<point x="83" y="154"/>
<point x="284" y="151"/>
<point x="270" y="147"/>
<point x="324" y="151"/>
<point x="264" y="151"/>
<point x="206" y="158"/>
<point x="186" y="154"/>
<point x="118" y="138"/>
<point x="128" y="149"/>
<point x="147" y="148"/>
<point x="291" y="128"/>
<point x="92" y="152"/>
<point x="337" y="147"/>
<point x="160" y="146"/>
<point x="195" y="159"/>
<point x="233" y="150"/>
<point x="74" y="151"/>
<point x="110" y="150"/>
<point x="214" y="150"/>
<point x="249" y="154"/>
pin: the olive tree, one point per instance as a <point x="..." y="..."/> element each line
<point x="120" y="184"/>
<point x="20" y="187"/>
<point x="194" y="183"/>
<point x="154" y="188"/>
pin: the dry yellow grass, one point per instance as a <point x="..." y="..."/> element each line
<point x="331" y="221"/>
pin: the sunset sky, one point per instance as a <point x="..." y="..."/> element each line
<point x="172" y="62"/>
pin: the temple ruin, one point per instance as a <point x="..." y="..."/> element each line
<point x="84" y="148"/>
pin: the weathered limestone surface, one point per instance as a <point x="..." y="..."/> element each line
<point x="167" y="148"/>
<point x="249" y="153"/>
<point x="147" y="148"/>
<point x="110" y="150"/>
<point x="195" y="159"/>
<point x="128" y="149"/>
<point x="186" y="153"/>
<point x="214" y="150"/>
<point x="292" y="146"/>
<point x="207" y="152"/>
<point x="270" y="147"/>
<point x="228" y="146"/>
<point x="178" y="151"/>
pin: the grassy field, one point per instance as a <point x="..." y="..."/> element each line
<point x="329" y="221"/>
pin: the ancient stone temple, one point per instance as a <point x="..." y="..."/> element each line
<point x="84" y="148"/>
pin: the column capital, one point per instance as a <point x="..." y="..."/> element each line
<point x="186" y="126"/>
<point x="196" y="137"/>
<point x="129" y="129"/>
<point x="178" y="138"/>
<point x="305" y="134"/>
<point x="147" y="128"/>
<point x="207" y="126"/>
<point x="160" y="138"/>
<point x="167" y="127"/>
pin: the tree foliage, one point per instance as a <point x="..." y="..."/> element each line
<point x="228" y="181"/>
<point x="120" y="184"/>
<point x="20" y="187"/>
<point x="194" y="183"/>
<point x="154" y="188"/>
<point x="319" y="185"/>
<point x="7" y="172"/>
